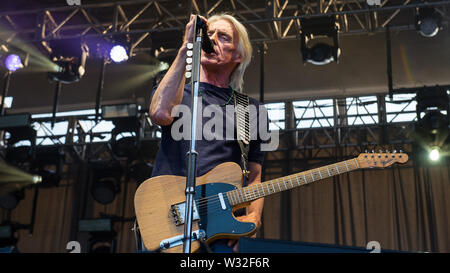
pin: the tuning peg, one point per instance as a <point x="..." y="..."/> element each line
<point x="401" y="151"/>
<point x="189" y="60"/>
<point x="373" y="151"/>
<point x="189" y="53"/>
<point x="188" y="67"/>
<point x="366" y="151"/>
<point x="395" y="151"/>
<point x="188" y="74"/>
<point x="190" y="45"/>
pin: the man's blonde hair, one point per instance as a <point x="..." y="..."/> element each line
<point x="244" y="49"/>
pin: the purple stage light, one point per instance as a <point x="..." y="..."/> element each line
<point x="13" y="62"/>
<point x="118" y="54"/>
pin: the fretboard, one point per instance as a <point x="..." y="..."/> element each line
<point x="256" y="191"/>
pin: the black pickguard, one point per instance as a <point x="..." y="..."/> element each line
<point x="213" y="219"/>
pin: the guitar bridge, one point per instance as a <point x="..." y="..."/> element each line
<point x="178" y="240"/>
<point x="178" y="212"/>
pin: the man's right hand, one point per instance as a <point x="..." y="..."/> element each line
<point x="189" y="32"/>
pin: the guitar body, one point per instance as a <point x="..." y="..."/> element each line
<point x="159" y="199"/>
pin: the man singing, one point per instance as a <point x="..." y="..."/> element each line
<point x="221" y="75"/>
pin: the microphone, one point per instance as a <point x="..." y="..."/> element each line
<point x="207" y="44"/>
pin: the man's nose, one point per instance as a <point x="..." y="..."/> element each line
<point x="213" y="38"/>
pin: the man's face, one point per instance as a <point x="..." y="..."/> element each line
<point x="225" y="40"/>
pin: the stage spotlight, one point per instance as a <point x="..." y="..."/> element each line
<point x="50" y="178"/>
<point x="434" y="154"/>
<point x="118" y="54"/>
<point x="11" y="200"/>
<point x="431" y="130"/>
<point x="104" y="190"/>
<point x="125" y="137"/>
<point x="428" y="21"/>
<point x="106" y="182"/>
<point x="68" y="72"/>
<point x="70" y="56"/>
<point x="13" y="62"/>
<point x="20" y="129"/>
<point x="48" y="164"/>
<point x="14" y="59"/>
<point x="119" y="50"/>
<point x="432" y="110"/>
<point x="320" y="53"/>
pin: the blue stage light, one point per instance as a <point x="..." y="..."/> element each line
<point x="13" y="62"/>
<point x="118" y="54"/>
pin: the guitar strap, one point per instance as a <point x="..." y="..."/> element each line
<point x="242" y="117"/>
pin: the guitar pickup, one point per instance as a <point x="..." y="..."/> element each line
<point x="179" y="211"/>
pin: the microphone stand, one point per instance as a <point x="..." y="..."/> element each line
<point x="192" y="154"/>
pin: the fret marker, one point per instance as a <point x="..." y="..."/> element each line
<point x="356" y="161"/>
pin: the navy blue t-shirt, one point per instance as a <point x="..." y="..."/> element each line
<point x="171" y="158"/>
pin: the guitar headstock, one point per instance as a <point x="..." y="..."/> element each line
<point x="380" y="160"/>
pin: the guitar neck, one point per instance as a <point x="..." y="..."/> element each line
<point x="253" y="192"/>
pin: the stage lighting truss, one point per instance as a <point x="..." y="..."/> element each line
<point x="266" y="21"/>
<point x="320" y="53"/>
<point x="70" y="56"/>
<point x="428" y="21"/>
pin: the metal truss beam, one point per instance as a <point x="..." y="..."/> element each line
<point x="267" y="21"/>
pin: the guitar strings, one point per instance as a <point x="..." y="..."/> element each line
<point x="312" y="173"/>
<point x="251" y="193"/>
<point x="212" y="203"/>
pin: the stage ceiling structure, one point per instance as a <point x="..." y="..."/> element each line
<point x="274" y="29"/>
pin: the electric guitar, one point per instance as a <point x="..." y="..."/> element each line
<point x="160" y="201"/>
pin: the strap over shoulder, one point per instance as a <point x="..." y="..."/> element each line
<point x="242" y="116"/>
